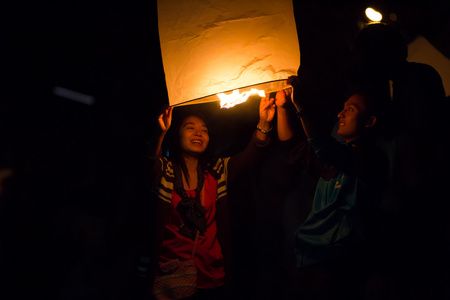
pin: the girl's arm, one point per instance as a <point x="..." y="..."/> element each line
<point x="260" y="139"/>
<point x="154" y="147"/>
<point x="266" y="114"/>
<point x="164" y="121"/>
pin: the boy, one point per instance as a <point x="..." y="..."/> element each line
<point x="332" y="244"/>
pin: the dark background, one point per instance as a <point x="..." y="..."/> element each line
<point x="74" y="212"/>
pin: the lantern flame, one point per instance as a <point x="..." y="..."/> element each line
<point x="230" y="100"/>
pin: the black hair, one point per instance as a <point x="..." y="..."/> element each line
<point x="172" y="148"/>
<point x="380" y="40"/>
<point x="378" y="104"/>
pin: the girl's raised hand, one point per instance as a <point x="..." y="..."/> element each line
<point x="266" y="109"/>
<point x="165" y="119"/>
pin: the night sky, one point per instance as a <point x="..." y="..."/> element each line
<point x="112" y="53"/>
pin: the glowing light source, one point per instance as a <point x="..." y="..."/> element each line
<point x="373" y="15"/>
<point x="235" y="98"/>
<point x="216" y="46"/>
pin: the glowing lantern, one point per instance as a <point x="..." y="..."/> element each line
<point x="216" y="46"/>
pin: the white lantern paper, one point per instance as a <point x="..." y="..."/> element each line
<point x="214" y="46"/>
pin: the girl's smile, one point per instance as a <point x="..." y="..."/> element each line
<point x="194" y="137"/>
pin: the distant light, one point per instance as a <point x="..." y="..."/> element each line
<point x="393" y="16"/>
<point x="72" y="95"/>
<point x="373" y="15"/>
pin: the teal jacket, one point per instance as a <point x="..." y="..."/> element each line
<point x="351" y="180"/>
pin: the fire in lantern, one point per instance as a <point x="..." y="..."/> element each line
<point x="235" y="98"/>
<point x="218" y="46"/>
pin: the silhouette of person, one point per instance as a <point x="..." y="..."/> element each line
<point x="418" y="141"/>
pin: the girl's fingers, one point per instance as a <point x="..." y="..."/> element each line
<point x="267" y="100"/>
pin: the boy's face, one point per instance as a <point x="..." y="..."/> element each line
<point x="354" y="119"/>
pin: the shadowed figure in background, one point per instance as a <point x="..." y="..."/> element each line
<point x="335" y="243"/>
<point x="417" y="144"/>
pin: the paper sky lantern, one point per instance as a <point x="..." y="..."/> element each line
<point x="217" y="46"/>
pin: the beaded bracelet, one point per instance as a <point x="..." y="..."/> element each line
<point x="262" y="130"/>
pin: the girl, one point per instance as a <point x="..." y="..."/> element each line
<point x="192" y="190"/>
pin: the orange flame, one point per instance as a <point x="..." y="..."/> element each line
<point x="230" y="100"/>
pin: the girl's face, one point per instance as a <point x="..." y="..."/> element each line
<point x="194" y="136"/>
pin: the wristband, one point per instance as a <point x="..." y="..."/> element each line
<point x="262" y="130"/>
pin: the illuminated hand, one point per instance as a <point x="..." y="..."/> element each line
<point x="266" y="109"/>
<point x="165" y="119"/>
<point x="282" y="97"/>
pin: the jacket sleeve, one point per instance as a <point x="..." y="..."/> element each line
<point x="340" y="156"/>
<point x="247" y="158"/>
<point x="300" y="155"/>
